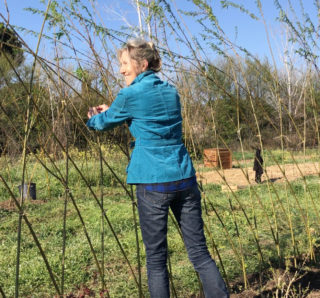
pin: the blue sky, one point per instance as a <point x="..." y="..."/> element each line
<point x="238" y="26"/>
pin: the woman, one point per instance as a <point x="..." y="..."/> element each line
<point x="160" y="166"/>
<point x="257" y="165"/>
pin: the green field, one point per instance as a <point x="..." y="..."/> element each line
<point x="248" y="231"/>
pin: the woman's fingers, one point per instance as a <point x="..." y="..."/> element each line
<point x="92" y="111"/>
<point x="102" y="108"/>
<point x="97" y="110"/>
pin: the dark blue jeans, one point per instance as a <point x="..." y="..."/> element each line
<point x="153" y="210"/>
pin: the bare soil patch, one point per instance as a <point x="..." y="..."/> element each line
<point x="9" y="205"/>
<point x="242" y="177"/>
<point x="290" y="282"/>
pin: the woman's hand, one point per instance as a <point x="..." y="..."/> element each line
<point x="102" y="108"/>
<point x="97" y="110"/>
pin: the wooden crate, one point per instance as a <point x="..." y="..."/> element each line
<point x="217" y="157"/>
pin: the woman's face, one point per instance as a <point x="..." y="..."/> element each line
<point x="130" y="68"/>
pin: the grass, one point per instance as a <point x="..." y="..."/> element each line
<point x="232" y="234"/>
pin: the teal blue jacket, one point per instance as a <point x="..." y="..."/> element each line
<point x="152" y="109"/>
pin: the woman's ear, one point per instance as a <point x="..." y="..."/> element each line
<point x="144" y="65"/>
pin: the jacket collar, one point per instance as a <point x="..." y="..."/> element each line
<point x="141" y="76"/>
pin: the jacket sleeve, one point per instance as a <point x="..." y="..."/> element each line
<point x="117" y="114"/>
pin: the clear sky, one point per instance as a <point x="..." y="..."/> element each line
<point x="239" y="27"/>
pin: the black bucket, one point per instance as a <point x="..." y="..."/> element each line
<point x="29" y="190"/>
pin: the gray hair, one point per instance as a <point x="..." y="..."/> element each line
<point x="139" y="50"/>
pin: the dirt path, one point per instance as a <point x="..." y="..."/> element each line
<point x="237" y="177"/>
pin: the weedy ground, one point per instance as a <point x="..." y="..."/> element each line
<point x="258" y="234"/>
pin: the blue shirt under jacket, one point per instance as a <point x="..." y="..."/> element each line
<point x="152" y="109"/>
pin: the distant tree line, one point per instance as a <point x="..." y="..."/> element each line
<point x="227" y="102"/>
<point x="235" y="98"/>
